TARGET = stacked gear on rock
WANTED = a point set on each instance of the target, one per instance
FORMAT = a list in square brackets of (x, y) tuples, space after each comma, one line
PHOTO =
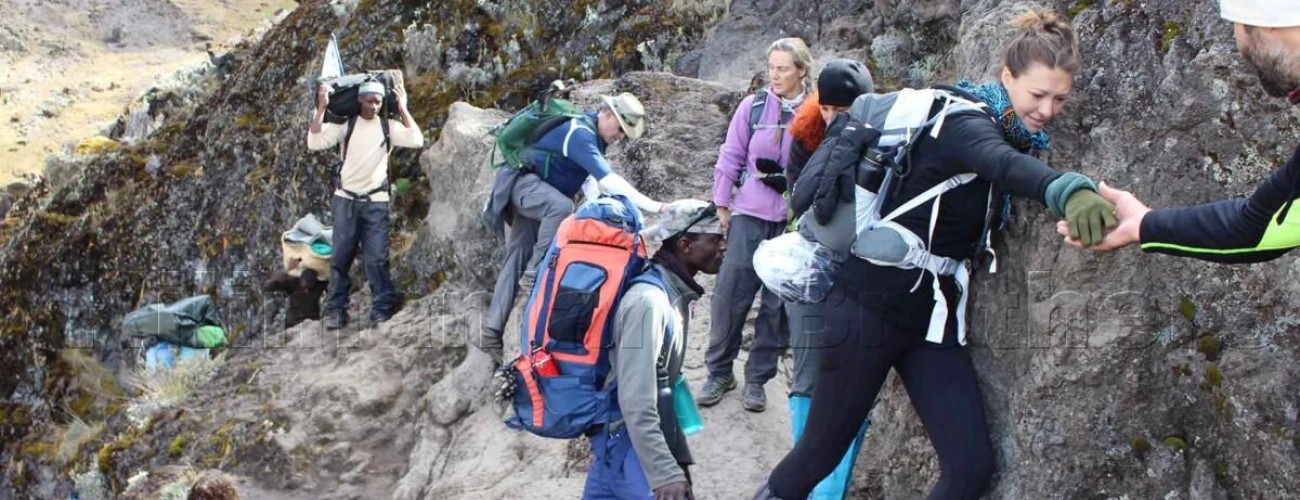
[(309, 241), (190, 322)]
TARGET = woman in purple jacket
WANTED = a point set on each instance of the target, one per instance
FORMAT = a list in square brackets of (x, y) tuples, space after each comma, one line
[(748, 187)]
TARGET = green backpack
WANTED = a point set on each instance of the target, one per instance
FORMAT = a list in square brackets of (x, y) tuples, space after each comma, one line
[(528, 125)]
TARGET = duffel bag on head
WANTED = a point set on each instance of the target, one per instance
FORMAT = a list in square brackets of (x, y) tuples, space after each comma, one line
[(345, 89)]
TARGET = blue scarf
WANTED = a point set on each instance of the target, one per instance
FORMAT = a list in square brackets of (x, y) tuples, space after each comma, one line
[(995, 95)]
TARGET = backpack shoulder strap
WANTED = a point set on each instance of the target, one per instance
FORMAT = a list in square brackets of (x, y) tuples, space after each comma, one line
[(652, 277), (756, 110), (347, 137), (383, 125)]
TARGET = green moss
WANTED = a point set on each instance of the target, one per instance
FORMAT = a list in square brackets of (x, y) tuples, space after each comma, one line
[(401, 187), (1172, 31), (1140, 446), (106, 459), (56, 219), (185, 168), (19, 416), (259, 178), (177, 447), (42, 451), (1176, 442), (1182, 370), (1209, 346), (82, 404), (253, 123), (1214, 376), (1079, 7), (221, 445), (1187, 308), (1221, 475)]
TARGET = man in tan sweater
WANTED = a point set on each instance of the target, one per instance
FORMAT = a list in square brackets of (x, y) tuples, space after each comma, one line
[(360, 204)]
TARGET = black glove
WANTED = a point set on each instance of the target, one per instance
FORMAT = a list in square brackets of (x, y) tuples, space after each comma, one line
[(771, 174), (839, 176), (776, 182)]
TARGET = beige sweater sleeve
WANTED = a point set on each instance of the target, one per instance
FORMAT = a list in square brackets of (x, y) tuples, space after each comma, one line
[(329, 136), (403, 136)]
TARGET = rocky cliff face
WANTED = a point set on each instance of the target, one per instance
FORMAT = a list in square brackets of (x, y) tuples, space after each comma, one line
[(1112, 376)]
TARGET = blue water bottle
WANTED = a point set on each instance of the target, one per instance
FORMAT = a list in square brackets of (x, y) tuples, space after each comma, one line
[(688, 415)]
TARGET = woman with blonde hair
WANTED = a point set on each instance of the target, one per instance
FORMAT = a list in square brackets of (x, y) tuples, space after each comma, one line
[(749, 185)]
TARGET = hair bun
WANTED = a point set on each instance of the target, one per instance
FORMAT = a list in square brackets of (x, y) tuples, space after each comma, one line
[(1038, 20)]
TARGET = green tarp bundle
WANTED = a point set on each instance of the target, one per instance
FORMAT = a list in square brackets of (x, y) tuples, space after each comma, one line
[(191, 322)]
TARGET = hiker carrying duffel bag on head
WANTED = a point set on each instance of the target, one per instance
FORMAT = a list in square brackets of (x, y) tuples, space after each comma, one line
[(360, 205)]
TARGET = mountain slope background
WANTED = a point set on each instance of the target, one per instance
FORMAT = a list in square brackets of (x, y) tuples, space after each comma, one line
[(1105, 376)]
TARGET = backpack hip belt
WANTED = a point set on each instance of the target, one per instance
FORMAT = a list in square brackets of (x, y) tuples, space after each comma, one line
[(365, 197)]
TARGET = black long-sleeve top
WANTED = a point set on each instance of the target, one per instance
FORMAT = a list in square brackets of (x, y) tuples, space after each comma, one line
[(968, 142), (1254, 229)]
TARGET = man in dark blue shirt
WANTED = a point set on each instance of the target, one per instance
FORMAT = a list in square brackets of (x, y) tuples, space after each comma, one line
[(566, 160)]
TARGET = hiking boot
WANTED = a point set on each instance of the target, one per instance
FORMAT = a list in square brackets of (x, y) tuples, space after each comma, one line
[(336, 320), (491, 344), (376, 319), (714, 388), (755, 398)]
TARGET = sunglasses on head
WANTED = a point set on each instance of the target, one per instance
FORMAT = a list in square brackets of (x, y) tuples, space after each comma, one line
[(708, 211)]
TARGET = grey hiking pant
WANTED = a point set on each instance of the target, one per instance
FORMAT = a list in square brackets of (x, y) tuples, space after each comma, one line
[(733, 294), (807, 340), (361, 225), (538, 211)]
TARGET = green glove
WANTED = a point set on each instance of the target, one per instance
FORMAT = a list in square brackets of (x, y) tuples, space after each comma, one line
[(1089, 216)]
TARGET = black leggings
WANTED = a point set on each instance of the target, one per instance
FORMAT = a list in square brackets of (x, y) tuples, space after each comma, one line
[(940, 381)]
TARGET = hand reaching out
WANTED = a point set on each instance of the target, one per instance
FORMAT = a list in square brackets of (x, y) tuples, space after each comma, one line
[(1128, 209)]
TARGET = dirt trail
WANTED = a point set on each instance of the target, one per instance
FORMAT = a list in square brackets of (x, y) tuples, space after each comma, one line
[(68, 67)]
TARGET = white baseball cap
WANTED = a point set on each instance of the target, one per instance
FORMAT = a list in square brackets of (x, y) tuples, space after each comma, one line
[(1261, 13)]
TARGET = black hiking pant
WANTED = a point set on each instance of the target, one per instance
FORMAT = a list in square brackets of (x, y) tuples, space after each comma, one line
[(939, 378), (361, 227)]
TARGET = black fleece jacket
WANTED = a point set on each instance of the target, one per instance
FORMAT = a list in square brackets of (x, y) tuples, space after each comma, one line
[(1259, 228), (968, 142)]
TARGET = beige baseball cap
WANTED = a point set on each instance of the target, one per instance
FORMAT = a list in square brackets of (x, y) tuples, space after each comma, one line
[(629, 112)]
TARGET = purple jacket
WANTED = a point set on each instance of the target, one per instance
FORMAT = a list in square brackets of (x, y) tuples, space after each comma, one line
[(753, 198)]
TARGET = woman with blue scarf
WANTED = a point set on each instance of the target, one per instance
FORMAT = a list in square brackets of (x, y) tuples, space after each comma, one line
[(881, 317)]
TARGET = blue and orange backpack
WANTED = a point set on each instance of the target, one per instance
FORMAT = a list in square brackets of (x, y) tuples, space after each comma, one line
[(565, 335)]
